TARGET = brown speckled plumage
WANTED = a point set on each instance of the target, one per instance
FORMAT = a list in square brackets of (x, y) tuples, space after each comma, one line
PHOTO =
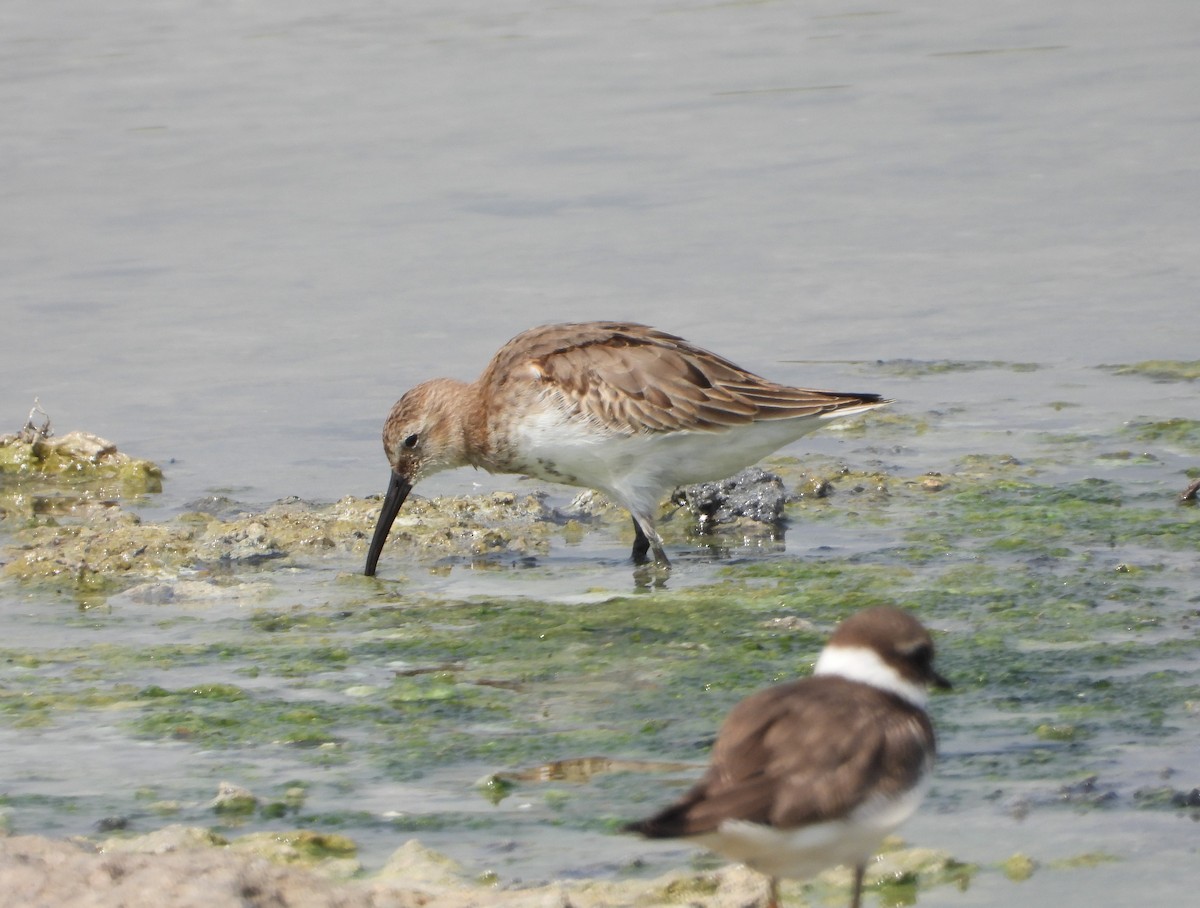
[(614, 406)]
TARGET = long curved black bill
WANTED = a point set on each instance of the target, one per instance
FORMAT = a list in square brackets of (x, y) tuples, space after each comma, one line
[(397, 491)]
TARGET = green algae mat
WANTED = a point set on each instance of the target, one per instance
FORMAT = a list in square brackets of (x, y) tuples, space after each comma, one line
[(511, 690)]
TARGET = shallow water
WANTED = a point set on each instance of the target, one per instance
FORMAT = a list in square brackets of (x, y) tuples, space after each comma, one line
[(1055, 565), (236, 234)]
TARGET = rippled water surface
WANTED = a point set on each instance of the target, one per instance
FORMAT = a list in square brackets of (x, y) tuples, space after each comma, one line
[(235, 233)]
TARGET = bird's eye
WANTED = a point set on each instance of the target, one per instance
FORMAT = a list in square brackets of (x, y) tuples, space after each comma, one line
[(411, 441), (921, 654)]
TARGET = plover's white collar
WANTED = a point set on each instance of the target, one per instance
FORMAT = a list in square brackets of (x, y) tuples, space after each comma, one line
[(863, 664), (817, 772)]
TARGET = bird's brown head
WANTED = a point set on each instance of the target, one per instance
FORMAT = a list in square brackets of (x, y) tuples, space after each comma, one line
[(883, 641), (421, 436)]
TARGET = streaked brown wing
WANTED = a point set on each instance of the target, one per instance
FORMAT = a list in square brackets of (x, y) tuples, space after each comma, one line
[(632, 378)]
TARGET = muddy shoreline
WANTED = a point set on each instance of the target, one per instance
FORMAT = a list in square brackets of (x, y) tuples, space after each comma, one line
[(232, 641), (180, 867)]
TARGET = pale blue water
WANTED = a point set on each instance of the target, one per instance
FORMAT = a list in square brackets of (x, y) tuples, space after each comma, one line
[(233, 234)]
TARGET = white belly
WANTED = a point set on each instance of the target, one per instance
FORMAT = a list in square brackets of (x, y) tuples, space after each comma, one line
[(638, 470), (806, 851)]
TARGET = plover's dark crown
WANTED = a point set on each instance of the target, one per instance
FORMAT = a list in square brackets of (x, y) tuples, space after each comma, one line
[(816, 772)]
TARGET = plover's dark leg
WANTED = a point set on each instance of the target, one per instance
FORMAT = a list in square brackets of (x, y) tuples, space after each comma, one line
[(856, 898)]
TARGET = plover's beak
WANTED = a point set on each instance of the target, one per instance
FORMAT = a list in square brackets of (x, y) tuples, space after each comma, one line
[(938, 680), (397, 491)]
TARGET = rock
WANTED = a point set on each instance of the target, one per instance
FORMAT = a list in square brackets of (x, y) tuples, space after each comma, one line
[(1019, 867), (40, 873), (246, 543), (233, 799), (1166, 796), (415, 865), (329, 854), (77, 457), (753, 494), (163, 841), (183, 867)]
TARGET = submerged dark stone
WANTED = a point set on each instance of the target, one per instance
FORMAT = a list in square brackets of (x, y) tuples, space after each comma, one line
[(1166, 796), (1088, 792)]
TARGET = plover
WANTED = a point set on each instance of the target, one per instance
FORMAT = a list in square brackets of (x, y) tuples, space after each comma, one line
[(815, 773)]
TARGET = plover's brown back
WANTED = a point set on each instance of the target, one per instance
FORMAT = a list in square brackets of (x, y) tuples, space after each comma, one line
[(816, 773)]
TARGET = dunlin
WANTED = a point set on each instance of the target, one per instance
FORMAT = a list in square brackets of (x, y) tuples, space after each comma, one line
[(816, 773), (621, 408)]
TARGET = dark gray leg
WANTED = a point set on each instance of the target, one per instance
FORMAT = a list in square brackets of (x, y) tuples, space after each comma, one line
[(856, 898), (641, 545), (644, 542)]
